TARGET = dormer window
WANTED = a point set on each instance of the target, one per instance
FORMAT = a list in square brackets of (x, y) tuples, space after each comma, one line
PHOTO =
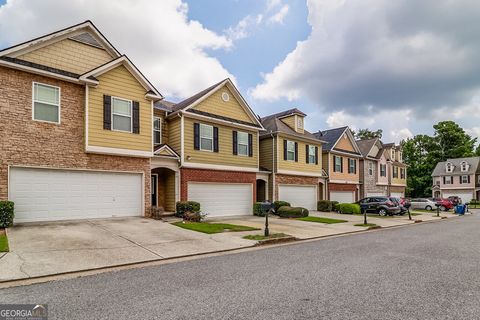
[(393, 154), (464, 166), (449, 167), (300, 123), (400, 156)]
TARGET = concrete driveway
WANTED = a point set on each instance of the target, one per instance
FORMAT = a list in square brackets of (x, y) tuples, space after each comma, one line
[(56, 247)]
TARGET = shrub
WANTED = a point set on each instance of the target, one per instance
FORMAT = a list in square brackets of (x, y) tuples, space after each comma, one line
[(289, 212), (6, 214), (278, 204), (184, 206), (326, 205), (349, 208), (192, 216), (257, 209), (334, 205)]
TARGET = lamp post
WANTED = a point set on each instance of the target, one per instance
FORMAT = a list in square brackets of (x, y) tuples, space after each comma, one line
[(267, 206), (438, 209)]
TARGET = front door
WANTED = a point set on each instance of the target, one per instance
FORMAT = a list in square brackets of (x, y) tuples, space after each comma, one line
[(154, 190)]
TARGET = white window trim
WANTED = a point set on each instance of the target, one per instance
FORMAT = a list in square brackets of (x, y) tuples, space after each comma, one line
[(310, 154), (157, 130), (300, 123), (464, 165), (335, 163), (370, 169), (59, 102), (200, 137), (291, 151), (392, 154), (449, 180), (352, 169), (466, 179), (238, 144), (449, 167), (121, 115)]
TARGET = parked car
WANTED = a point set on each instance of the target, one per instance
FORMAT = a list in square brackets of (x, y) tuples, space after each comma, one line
[(423, 204), (403, 205), (381, 205), (455, 200), (445, 204)]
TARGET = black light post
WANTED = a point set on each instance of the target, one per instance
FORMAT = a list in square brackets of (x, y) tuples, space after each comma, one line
[(438, 209), (267, 232), (267, 206), (364, 216)]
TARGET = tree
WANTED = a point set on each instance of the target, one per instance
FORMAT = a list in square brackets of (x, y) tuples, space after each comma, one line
[(364, 134), (453, 142)]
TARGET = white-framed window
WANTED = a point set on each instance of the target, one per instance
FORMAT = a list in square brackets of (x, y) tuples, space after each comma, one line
[(337, 162), (300, 123), (157, 130), (206, 137), (395, 172), (464, 179), (383, 170), (46, 103), (370, 168), (290, 150), (122, 114), (448, 180), (352, 166), (402, 173), (393, 154), (464, 166), (449, 167), (400, 156), (242, 143), (311, 154)]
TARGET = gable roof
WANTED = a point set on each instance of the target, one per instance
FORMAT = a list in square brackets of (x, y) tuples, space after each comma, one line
[(170, 153), (187, 104), (152, 92), (287, 113), (273, 124), (331, 136), (474, 163), (366, 146)]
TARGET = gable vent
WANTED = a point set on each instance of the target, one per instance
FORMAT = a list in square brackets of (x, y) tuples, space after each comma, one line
[(88, 39)]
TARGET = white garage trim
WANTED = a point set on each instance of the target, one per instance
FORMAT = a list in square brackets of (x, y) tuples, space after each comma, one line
[(219, 199), (139, 175), (342, 196), (299, 195)]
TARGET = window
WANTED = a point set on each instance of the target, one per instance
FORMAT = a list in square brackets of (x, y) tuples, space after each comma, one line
[(448, 180), (206, 137), (370, 168), (449, 167), (157, 130), (393, 154), (352, 166), (395, 172), (383, 170), (121, 114), (311, 154), (337, 164), (300, 123), (464, 179), (46, 103), (437, 182), (290, 150), (464, 166), (400, 156), (242, 143), (402, 173)]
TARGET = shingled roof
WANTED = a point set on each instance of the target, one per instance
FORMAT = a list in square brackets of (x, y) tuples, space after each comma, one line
[(366, 145), (440, 169), (330, 136)]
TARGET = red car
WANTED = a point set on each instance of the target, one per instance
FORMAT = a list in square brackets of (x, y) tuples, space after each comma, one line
[(445, 204)]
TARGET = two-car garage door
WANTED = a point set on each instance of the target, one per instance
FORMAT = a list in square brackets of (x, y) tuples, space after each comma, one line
[(50, 194)]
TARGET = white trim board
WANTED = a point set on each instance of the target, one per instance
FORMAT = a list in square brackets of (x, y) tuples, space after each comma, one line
[(121, 152), (217, 167)]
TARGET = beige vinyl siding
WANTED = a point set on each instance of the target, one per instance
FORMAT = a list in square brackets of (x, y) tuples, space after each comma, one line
[(231, 109), (344, 176), (266, 153), (325, 162), (344, 143), (404, 181), (301, 165), (170, 193), (174, 135), (289, 121), (225, 155), (120, 83), (161, 114), (68, 55)]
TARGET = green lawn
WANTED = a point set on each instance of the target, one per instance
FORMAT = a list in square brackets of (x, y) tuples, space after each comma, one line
[(3, 243), (369, 225), (321, 220), (210, 228), (373, 215), (428, 211), (262, 237)]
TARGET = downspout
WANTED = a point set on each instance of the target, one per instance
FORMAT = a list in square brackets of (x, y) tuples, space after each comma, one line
[(273, 165)]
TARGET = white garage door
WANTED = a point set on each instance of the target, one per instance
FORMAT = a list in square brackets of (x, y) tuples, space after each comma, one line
[(342, 196), (397, 194), (465, 196), (375, 194), (299, 196), (48, 194), (222, 199)]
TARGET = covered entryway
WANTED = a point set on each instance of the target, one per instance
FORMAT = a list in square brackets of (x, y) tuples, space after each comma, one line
[(261, 190), (57, 194), (342, 196), (466, 196), (163, 189), (222, 199), (299, 195)]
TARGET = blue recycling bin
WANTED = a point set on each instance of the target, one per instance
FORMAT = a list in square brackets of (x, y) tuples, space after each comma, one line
[(460, 209)]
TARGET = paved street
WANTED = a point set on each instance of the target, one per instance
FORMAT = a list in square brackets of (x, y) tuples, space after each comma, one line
[(425, 271)]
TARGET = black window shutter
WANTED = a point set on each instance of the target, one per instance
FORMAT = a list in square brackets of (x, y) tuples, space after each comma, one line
[(284, 149), (349, 170), (444, 179), (235, 142), (215, 139), (296, 152), (136, 117), (341, 164), (460, 179), (306, 153), (107, 112), (354, 166), (250, 145), (196, 136), (468, 179), (316, 155)]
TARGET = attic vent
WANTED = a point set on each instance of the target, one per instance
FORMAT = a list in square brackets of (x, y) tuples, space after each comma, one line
[(86, 38), (225, 97)]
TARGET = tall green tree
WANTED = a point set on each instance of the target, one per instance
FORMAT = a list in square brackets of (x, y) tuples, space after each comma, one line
[(364, 134), (453, 141)]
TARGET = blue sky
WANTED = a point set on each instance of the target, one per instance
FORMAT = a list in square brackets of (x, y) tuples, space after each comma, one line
[(400, 66)]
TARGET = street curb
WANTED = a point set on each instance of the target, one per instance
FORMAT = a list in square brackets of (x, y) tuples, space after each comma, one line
[(146, 263)]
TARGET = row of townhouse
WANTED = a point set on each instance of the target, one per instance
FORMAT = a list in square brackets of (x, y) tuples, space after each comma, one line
[(458, 177), (85, 135)]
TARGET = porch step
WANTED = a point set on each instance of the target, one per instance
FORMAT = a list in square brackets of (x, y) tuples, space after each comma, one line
[(159, 212)]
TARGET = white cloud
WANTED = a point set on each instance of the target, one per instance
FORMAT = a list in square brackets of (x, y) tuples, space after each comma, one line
[(280, 15), (158, 36), (401, 134), (271, 4), (243, 27)]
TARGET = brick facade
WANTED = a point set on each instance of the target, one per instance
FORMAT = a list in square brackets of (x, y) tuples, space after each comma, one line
[(295, 180), (25, 142), (369, 182), (203, 175)]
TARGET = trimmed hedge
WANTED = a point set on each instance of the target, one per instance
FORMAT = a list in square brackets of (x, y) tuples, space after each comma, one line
[(6, 214), (257, 209), (186, 206), (334, 205), (326, 205), (278, 204), (349, 208), (289, 212)]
